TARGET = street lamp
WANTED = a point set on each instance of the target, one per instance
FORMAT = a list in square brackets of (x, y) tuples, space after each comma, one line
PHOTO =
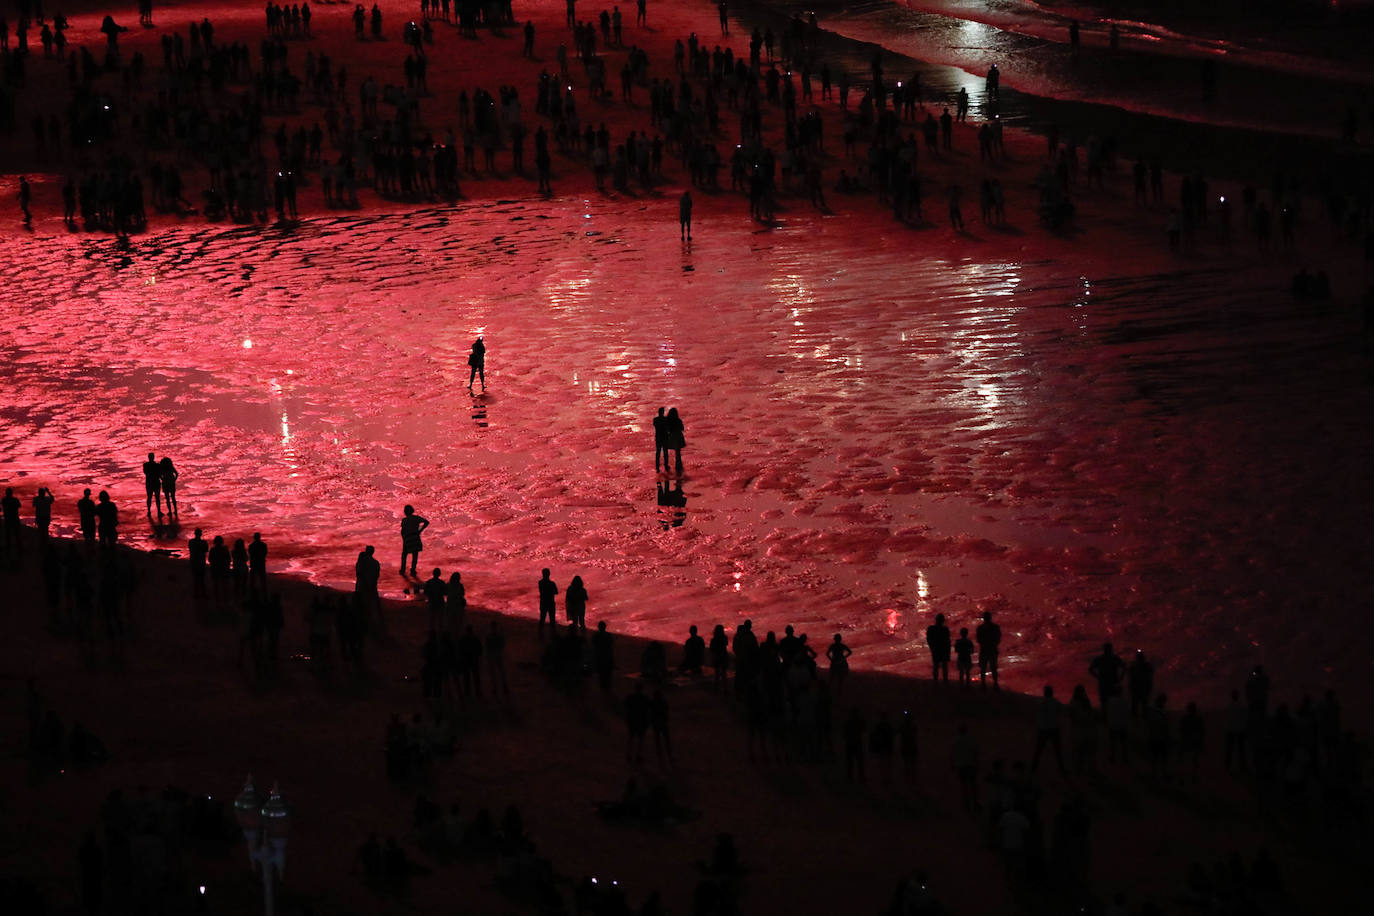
[(265, 828)]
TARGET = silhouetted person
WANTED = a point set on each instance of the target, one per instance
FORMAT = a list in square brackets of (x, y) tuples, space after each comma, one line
[(906, 743), (575, 601), (684, 216), (12, 525), (197, 551), (603, 655), (257, 564), (494, 648), (1140, 678), (963, 654), (42, 512), (152, 484), (411, 545), (964, 759), (882, 743), (25, 195), (1048, 729), (477, 364), (1237, 730), (85, 511), (638, 717), (659, 724), (937, 638), (1107, 669), (367, 574), (167, 480), (838, 654), (989, 636), (435, 590), (548, 608), (220, 563), (675, 439), (854, 730), (693, 653), (660, 439), (107, 519)]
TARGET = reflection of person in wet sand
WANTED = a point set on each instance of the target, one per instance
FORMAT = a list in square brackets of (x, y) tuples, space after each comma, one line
[(411, 526), (477, 362)]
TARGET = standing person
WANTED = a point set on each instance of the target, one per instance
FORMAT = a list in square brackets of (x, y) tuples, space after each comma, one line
[(603, 656), (676, 439), (152, 484), (85, 511), (411, 545), (660, 438), (167, 478), (477, 363), (575, 600), (989, 637), (42, 512), (838, 653), (24, 196), (107, 518), (10, 506), (548, 592), (1047, 729), (937, 638), (720, 657), (963, 651), (219, 568), (257, 564), (684, 216), (457, 602), (367, 573), (964, 757), (197, 551), (436, 590), (496, 660), (1107, 669)]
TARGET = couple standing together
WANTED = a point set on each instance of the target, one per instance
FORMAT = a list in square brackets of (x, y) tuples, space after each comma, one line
[(668, 437)]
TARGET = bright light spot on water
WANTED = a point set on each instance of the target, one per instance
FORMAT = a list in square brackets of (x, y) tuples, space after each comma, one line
[(894, 620), (290, 371), (247, 344), (922, 586)]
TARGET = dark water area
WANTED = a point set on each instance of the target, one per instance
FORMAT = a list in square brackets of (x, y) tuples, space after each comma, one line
[(1269, 110)]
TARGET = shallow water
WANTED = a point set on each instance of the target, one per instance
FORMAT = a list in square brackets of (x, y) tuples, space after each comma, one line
[(874, 434)]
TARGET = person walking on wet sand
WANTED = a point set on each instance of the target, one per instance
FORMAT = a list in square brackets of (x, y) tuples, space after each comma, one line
[(684, 215), (477, 364), (675, 439), (152, 484), (548, 607), (411, 526)]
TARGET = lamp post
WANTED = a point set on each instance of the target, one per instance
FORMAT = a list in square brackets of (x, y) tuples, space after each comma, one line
[(265, 828)]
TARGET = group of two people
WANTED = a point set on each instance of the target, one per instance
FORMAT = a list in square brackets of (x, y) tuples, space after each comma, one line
[(159, 481)]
